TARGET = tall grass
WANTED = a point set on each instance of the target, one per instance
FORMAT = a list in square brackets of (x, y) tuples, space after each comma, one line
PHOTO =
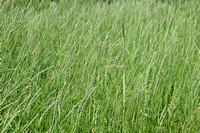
[(96, 67)]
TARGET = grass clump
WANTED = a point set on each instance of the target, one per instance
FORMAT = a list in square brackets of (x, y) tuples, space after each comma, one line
[(96, 67)]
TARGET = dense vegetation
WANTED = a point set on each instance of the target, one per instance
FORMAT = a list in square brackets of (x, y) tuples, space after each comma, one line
[(97, 66)]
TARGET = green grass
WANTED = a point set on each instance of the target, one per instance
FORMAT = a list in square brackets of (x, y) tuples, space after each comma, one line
[(95, 67)]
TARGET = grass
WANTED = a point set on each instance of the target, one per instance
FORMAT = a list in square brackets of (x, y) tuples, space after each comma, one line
[(95, 67)]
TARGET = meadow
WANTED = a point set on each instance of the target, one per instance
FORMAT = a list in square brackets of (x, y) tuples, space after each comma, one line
[(97, 66)]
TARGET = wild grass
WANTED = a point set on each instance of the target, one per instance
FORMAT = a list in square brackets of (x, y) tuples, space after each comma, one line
[(96, 67)]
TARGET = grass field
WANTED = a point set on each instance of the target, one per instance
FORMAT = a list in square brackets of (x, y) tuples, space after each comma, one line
[(90, 66)]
